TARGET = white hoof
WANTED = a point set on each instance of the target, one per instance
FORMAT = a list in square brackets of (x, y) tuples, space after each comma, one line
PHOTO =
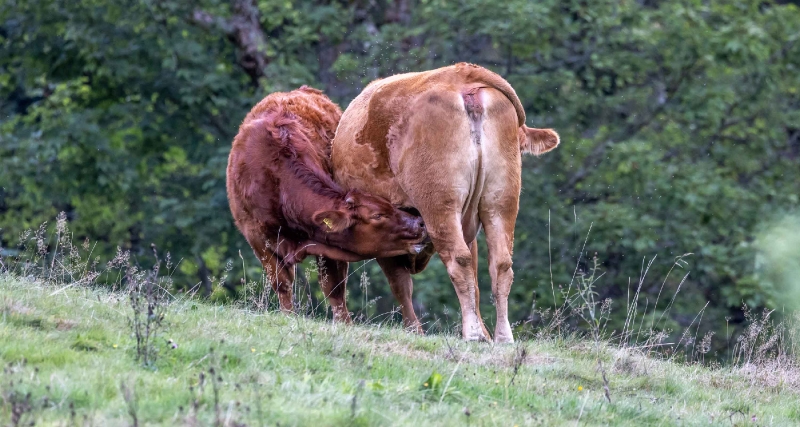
[(503, 339), (475, 333), (503, 334)]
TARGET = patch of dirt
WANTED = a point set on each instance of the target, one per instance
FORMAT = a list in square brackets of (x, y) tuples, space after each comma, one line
[(15, 308), (508, 356), (779, 373), (27, 316), (630, 365), (393, 348), (65, 324)]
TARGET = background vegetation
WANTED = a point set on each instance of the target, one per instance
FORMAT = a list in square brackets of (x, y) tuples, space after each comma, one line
[(680, 123)]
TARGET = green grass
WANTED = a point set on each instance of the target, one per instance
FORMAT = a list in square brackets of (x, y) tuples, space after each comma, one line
[(73, 349)]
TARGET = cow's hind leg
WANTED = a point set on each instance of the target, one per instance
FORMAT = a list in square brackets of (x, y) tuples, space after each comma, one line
[(473, 248), (457, 258), (333, 281), (397, 273), (439, 174), (499, 202), (500, 239)]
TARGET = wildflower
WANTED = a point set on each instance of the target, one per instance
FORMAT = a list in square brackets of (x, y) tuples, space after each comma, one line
[(425, 385), (61, 222), (580, 388), (252, 350), (115, 346)]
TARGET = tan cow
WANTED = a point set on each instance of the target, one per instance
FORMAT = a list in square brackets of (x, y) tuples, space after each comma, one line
[(447, 142)]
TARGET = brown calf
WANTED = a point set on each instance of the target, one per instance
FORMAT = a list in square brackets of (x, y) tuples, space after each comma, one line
[(287, 206), (447, 142)]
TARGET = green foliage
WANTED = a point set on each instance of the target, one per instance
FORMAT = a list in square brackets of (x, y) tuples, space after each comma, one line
[(777, 263), (433, 383), (115, 114), (679, 122)]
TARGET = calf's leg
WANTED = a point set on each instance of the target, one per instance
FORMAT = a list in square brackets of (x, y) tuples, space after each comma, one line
[(333, 280), (282, 280), (399, 277), (280, 275)]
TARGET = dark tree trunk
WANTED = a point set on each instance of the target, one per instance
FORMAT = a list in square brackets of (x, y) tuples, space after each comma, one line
[(245, 31), (204, 275)]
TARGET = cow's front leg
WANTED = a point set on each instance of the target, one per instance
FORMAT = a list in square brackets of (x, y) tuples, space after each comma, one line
[(333, 280), (397, 273), (280, 272)]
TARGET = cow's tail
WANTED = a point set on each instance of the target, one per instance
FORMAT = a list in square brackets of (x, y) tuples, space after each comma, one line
[(531, 140), (477, 74)]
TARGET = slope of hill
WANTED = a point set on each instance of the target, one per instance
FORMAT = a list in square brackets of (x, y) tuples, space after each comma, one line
[(69, 357)]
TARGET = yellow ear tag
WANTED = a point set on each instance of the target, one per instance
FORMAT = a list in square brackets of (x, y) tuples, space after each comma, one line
[(328, 222)]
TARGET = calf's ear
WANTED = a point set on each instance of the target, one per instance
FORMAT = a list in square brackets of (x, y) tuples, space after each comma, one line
[(537, 141), (332, 221)]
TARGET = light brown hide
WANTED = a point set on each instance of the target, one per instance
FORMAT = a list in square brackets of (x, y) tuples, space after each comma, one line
[(447, 142)]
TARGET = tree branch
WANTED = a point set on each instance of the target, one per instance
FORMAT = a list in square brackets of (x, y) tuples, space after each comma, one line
[(244, 30), (627, 132)]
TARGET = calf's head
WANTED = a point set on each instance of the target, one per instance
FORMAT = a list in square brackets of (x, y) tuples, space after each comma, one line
[(371, 226)]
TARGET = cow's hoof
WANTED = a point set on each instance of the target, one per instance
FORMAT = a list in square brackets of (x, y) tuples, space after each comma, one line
[(480, 337), (503, 339), (415, 329), (502, 333)]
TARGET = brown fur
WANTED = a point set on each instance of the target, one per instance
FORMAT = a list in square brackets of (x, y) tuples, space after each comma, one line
[(447, 142), (286, 204)]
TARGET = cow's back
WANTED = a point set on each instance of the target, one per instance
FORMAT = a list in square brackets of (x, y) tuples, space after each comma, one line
[(366, 152), (256, 164), (317, 114), (361, 160), (413, 131)]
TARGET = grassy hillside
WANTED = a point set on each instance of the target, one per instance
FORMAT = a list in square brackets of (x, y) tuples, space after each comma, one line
[(73, 350)]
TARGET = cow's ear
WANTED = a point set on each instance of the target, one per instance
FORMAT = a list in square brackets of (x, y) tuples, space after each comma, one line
[(332, 221), (537, 141)]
